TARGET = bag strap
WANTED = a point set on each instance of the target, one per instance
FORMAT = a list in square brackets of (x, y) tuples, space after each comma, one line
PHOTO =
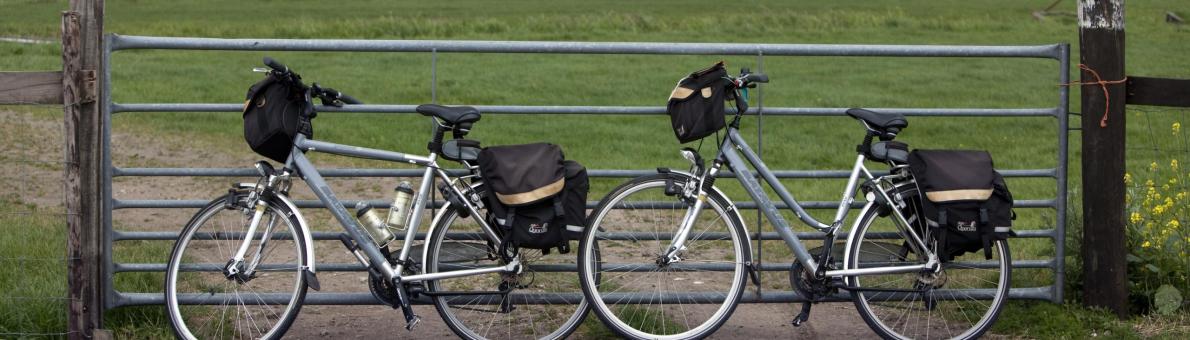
[(508, 217)]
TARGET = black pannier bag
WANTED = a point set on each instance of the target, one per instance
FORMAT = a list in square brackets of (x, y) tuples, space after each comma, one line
[(274, 113), (967, 205), (695, 106), (538, 198)]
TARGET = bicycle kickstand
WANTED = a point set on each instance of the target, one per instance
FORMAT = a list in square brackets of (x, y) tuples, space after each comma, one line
[(803, 316), (411, 320)]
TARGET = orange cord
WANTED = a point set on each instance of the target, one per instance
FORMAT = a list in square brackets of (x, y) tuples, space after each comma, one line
[(1102, 84)]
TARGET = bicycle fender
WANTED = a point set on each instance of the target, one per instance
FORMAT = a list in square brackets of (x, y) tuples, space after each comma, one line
[(851, 235), (307, 237), (425, 250)]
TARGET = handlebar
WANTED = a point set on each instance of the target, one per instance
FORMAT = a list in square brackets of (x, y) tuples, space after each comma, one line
[(328, 95), (349, 99), (276, 66), (331, 95), (742, 83), (757, 78)]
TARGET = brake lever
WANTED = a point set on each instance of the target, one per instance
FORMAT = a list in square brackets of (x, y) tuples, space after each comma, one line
[(260, 70)]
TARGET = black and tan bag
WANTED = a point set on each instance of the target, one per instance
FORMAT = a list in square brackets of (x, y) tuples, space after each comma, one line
[(695, 106), (967, 205), (537, 197), (274, 113)]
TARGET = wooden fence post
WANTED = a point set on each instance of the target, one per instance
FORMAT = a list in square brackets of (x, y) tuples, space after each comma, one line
[(1101, 38), (82, 41)]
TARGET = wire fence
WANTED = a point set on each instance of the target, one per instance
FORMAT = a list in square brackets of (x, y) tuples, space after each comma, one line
[(33, 259), (1158, 203)]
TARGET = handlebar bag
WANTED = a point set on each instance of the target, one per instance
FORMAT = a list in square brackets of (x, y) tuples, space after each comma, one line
[(273, 115), (695, 106), (967, 204)]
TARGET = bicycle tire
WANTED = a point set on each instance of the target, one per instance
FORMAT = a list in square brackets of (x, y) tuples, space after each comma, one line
[(453, 245), (183, 317), (959, 279), (628, 318)]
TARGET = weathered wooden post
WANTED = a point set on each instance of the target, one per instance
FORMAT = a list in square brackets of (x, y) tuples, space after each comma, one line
[(82, 41), (1101, 39)]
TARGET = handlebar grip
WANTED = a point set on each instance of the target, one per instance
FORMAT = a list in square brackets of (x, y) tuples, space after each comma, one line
[(346, 99), (276, 66), (758, 78)]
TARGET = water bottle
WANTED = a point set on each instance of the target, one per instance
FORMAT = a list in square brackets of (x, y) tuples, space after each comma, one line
[(398, 213), (373, 224)]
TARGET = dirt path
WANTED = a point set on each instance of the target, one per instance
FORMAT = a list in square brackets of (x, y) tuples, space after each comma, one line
[(32, 174)]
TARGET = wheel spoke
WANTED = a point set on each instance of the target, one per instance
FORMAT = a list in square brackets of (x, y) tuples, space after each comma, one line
[(662, 300), (246, 313), (945, 309)]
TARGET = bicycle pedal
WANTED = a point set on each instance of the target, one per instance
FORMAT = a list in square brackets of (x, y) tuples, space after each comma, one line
[(412, 322)]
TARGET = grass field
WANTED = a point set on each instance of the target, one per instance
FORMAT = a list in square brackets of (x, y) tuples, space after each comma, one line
[(1154, 49)]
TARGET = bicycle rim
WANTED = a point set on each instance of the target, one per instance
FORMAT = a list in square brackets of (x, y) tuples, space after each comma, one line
[(203, 303), (458, 244), (961, 302), (638, 298)]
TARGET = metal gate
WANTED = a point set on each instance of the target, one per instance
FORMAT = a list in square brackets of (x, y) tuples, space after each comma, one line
[(114, 43)]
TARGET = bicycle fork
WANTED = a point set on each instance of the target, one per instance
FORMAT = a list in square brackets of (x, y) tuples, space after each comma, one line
[(695, 194)]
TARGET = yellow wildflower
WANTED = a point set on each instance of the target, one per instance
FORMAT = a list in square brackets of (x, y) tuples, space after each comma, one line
[(1173, 164), (1158, 210), (1149, 183), (1146, 244), (1181, 195), (1153, 166), (1177, 127), (1127, 178), (1174, 224), (1135, 217)]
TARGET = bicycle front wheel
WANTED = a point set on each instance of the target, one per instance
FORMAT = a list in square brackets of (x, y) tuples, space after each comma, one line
[(640, 297), (541, 302), (204, 303), (960, 302)]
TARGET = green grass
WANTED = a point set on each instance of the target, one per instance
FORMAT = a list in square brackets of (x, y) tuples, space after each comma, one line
[(34, 278), (1044, 320), (637, 142)]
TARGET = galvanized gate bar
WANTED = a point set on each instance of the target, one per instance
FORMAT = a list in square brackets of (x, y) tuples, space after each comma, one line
[(250, 172), (320, 298), (328, 236), (609, 110), (144, 204), (131, 42), (1059, 52)]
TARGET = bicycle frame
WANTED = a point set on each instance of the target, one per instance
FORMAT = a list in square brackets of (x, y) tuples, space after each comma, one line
[(728, 154), (298, 161)]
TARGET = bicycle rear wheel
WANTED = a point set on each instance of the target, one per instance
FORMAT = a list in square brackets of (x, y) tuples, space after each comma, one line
[(639, 298), (203, 303), (960, 302), (544, 301)]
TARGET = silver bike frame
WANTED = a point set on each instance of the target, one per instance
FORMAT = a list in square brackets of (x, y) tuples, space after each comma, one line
[(298, 161), (731, 149)]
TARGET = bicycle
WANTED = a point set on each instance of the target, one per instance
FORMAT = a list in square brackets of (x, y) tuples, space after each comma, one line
[(646, 279), (242, 265)]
